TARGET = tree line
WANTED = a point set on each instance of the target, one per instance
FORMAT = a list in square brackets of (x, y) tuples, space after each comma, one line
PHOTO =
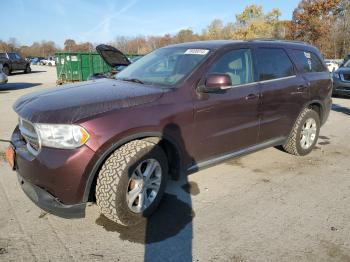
[(323, 23)]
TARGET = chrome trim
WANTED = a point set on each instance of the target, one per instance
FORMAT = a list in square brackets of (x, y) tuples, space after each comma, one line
[(31, 138), (277, 79), (251, 149), (246, 84)]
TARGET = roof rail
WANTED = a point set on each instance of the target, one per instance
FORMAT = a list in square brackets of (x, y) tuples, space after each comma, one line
[(278, 40)]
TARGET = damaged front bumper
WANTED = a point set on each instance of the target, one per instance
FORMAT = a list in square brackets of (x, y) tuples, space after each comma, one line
[(49, 203), (54, 179)]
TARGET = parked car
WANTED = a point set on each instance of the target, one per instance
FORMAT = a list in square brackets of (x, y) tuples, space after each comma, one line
[(50, 61), (3, 76), (36, 60), (332, 66), (341, 80), (177, 110), (14, 62)]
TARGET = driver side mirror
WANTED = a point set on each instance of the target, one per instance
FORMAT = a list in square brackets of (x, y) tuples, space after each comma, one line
[(216, 83)]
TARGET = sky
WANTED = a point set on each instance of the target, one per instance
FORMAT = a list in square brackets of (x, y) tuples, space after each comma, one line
[(100, 21)]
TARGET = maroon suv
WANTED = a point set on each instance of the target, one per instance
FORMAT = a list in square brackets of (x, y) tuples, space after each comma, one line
[(177, 110)]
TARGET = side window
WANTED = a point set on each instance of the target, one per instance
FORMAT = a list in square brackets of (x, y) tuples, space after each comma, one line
[(12, 56), (307, 61), (237, 64), (273, 63), (3, 55), (18, 56)]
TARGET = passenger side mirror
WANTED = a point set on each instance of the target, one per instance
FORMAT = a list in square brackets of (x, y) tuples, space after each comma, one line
[(216, 83)]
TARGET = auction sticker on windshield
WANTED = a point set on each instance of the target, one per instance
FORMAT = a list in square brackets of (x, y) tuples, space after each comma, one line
[(196, 52)]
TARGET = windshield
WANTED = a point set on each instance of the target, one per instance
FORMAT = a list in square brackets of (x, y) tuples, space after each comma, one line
[(166, 66)]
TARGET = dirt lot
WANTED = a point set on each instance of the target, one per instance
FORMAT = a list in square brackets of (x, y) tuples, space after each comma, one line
[(268, 206)]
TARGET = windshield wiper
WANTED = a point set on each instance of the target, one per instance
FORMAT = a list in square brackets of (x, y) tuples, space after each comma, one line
[(134, 80)]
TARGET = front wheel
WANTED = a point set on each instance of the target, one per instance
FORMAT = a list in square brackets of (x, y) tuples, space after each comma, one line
[(304, 135), (131, 182)]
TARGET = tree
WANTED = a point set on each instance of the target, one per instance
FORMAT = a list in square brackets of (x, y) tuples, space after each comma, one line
[(213, 30), (69, 45), (185, 35), (254, 23), (313, 21)]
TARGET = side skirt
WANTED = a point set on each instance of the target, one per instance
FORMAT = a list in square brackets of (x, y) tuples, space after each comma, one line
[(214, 161)]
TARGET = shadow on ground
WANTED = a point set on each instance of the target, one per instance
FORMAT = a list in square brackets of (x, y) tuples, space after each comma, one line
[(158, 226), (17, 86), (341, 109)]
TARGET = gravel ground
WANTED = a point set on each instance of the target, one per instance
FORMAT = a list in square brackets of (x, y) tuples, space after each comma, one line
[(267, 206)]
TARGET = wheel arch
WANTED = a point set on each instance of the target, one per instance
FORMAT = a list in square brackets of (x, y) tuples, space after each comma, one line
[(318, 107), (169, 146)]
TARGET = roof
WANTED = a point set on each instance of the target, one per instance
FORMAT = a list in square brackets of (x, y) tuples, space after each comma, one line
[(216, 44)]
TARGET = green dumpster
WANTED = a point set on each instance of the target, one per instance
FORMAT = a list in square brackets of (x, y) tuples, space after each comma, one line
[(78, 66)]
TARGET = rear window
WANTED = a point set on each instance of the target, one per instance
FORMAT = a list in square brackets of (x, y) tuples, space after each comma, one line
[(308, 62), (273, 63)]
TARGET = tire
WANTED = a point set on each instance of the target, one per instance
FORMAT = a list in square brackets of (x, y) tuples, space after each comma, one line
[(49, 64), (28, 69), (296, 144), (115, 179), (6, 70)]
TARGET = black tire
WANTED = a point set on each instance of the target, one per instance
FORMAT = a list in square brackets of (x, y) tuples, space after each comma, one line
[(114, 176), (49, 64), (6, 70), (28, 69), (293, 145)]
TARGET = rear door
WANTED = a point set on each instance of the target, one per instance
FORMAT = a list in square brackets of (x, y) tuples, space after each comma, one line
[(314, 72), (227, 122), (21, 62), (284, 92), (14, 61)]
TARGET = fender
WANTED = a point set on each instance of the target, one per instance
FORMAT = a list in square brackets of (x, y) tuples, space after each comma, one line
[(322, 108), (96, 166)]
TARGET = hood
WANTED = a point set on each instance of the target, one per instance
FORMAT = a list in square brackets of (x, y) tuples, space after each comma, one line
[(112, 56), (74, 102), (342, 70)]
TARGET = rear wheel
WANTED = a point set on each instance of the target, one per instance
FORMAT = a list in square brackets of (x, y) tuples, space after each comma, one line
[(131, 182), (28, 69), (304, 135), (6, 70)]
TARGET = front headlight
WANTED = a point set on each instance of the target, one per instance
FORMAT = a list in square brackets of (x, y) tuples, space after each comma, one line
[(336, 75), (62, 136)]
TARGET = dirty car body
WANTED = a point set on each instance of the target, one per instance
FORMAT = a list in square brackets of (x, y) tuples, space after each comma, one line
[(196, 120)]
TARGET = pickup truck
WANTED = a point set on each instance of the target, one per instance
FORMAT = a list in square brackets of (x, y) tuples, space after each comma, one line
[(14, 62)]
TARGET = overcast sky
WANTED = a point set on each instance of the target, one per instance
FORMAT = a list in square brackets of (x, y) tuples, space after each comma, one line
[(100, 21)]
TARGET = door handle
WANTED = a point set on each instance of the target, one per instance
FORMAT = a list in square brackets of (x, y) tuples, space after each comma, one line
[(302, 87), (251, 96)]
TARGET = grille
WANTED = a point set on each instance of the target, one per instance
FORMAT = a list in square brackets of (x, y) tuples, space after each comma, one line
[(346, 77), (30, 136)]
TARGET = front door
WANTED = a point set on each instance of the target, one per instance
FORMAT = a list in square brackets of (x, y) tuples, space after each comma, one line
[(228, 121)]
